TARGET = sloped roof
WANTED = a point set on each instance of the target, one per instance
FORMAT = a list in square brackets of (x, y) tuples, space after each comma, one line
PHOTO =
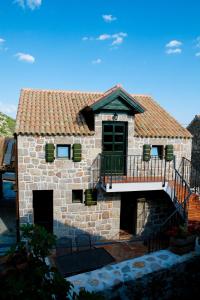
[(54, 112)]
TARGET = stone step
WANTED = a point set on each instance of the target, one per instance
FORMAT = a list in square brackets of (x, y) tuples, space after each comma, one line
[(194, 208)]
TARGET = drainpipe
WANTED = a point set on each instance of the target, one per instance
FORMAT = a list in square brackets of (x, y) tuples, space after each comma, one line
[(17, 193)]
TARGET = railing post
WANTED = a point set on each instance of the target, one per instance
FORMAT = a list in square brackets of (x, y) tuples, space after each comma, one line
[(164, 179), (111, 167), (183, 167)]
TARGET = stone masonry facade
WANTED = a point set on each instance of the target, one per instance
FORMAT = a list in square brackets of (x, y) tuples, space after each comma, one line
[(153, 208), (62, 176), (194, 129)]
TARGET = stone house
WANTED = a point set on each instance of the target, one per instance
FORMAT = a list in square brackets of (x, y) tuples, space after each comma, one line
[(194, 129), (96, 162)]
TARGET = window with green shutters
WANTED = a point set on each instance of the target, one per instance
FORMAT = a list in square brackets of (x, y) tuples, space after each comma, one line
[(49, 152), (169, 152), (77, 152), (146, 152), (90, 197)]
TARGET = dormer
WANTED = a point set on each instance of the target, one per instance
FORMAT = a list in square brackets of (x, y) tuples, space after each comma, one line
[(116, 100)]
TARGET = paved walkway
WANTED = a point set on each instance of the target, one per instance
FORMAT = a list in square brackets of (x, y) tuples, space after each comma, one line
[(125, 250)]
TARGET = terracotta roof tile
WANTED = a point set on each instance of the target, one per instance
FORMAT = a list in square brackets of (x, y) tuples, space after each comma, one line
[(53, 112)]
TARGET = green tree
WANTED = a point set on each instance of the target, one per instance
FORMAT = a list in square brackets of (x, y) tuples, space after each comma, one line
[(28, 276)]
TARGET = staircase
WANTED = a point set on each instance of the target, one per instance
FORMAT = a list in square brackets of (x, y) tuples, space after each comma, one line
[(192, 176), (185, 194), (194, 209)]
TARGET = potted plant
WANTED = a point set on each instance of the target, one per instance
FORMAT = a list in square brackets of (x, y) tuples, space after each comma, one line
[(182, 239)]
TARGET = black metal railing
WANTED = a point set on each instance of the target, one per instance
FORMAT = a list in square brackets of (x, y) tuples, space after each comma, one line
[(191, 174), (160, 238), (180, 195), (109, 169)]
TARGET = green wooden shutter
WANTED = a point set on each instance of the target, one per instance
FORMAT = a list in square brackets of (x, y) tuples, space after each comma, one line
[(169, 152), (49, 152), (77, 152), (146, 152), (90, 197)]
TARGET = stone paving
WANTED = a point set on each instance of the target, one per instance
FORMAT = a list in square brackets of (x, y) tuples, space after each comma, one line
[(111, 275), (121, 251)]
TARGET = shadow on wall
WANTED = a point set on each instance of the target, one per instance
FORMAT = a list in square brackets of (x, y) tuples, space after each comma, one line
[(153, 208)]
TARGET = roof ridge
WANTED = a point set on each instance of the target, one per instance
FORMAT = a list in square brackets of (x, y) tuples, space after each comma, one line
[(61, 91), (79, 92)]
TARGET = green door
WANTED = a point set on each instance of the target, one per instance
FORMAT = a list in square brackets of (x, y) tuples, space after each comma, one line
[(114, 139)]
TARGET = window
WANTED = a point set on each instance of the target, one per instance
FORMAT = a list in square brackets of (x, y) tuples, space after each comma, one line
[(63, 151), (157, 151), (77, 196)]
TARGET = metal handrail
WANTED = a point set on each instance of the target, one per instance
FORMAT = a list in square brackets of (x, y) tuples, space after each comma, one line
[(181, 194), (132, 168), (191, 174)]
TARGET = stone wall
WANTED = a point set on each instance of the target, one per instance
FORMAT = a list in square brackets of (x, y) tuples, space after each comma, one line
[(63, 175), (194, 129), (181, 282), (182, 147), (160, 275), (153, 208)]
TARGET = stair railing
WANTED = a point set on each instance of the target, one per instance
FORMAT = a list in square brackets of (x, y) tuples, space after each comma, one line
[(180, 196), (191, 174)]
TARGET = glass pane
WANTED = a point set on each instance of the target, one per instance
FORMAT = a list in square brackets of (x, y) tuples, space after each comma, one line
[(107, 147), (154, 151), (108, 128), (119, 147), (119, 128), (108, 138), (119, 138), (77, 196), (63, 151)]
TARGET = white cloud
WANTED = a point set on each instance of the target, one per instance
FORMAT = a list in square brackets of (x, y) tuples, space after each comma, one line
[(174, 51), (32, 4), (117, 38), (85, 38), (97, 61), (25, 57), (174, 44), (123, 34), (2, 41), (197, 54), (104, 37), (9, 109), (109, 18)]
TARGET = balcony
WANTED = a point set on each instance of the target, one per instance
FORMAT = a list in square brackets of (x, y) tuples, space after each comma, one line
[(131, 173)]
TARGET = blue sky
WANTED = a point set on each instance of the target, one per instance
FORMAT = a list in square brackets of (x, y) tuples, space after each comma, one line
[(148, 46)]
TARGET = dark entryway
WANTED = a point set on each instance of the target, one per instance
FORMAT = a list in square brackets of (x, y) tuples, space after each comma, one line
[(128, 214), (114, 144), (43, 209)]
